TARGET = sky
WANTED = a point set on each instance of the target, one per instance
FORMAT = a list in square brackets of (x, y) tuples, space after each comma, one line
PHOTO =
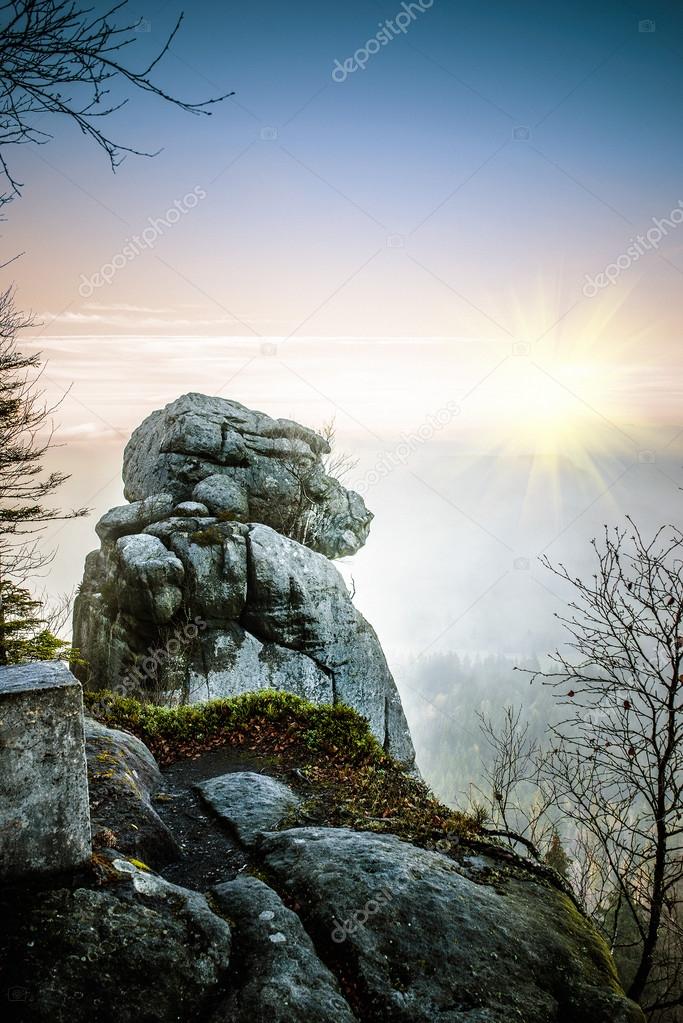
[(462, 214)]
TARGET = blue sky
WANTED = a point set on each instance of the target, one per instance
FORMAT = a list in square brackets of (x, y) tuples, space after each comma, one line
[(372, 249)]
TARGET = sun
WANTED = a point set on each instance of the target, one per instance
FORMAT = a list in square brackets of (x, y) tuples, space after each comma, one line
[(566, 402)]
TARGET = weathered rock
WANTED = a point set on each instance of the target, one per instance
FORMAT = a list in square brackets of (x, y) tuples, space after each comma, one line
[(281, 979), (123, 777), (150, 578), (258, 611), (138, 949), (298, 599), (249, 803), (424, 943), (192, 606), (214, 560), (44, 816), (223, 496), (230, 661), (273, 468), (132, 518), (192, 508)]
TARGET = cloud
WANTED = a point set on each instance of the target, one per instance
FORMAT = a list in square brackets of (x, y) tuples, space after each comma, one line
[(87, 431), (125, 307), (137, 321)]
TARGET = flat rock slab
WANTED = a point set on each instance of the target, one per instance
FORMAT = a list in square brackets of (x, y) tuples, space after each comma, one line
[(282, 978), (420, 942), (250, 803)]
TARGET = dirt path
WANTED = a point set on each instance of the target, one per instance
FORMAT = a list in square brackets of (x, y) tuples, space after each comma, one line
[(210, 853)]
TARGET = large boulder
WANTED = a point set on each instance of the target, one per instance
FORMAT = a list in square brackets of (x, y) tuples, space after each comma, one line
[(216, 580), (427, 939), (138, 948), (256, 611), (247, 466)]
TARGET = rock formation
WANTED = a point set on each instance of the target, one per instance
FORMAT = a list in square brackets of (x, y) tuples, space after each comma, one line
[(215, 579)]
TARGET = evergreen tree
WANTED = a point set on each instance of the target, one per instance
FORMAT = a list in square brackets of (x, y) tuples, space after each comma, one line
[(25, 436), (556, 857), (24, 631)]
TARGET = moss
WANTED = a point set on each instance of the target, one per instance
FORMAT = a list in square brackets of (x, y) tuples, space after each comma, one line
[(208, 537), (106, 757), (138, 863), (328, 752), (591, 941)]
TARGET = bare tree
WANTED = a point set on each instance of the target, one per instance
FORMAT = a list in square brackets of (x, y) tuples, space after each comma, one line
[(302, 516), (514, 799), (616, 758), (63, 58)]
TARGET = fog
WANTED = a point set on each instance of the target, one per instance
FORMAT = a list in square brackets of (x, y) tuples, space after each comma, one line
[(464, 507)]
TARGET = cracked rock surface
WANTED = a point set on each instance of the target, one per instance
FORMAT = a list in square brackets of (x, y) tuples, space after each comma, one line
[(244, 463), (280, 979)]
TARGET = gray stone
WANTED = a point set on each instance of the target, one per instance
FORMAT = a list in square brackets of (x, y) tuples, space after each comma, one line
[(132, 518), (282, 980), (249, 803), (214, 560), (45, 821), (271, 611), (123, 778), (428, 943), (275, 614), (195, 508), (223, 496), (297, 599), (274, 467), (136, 949), (151, 578), (230, 661)]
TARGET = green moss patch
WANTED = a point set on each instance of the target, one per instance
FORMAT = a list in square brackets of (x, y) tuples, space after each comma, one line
[(327, 752)]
